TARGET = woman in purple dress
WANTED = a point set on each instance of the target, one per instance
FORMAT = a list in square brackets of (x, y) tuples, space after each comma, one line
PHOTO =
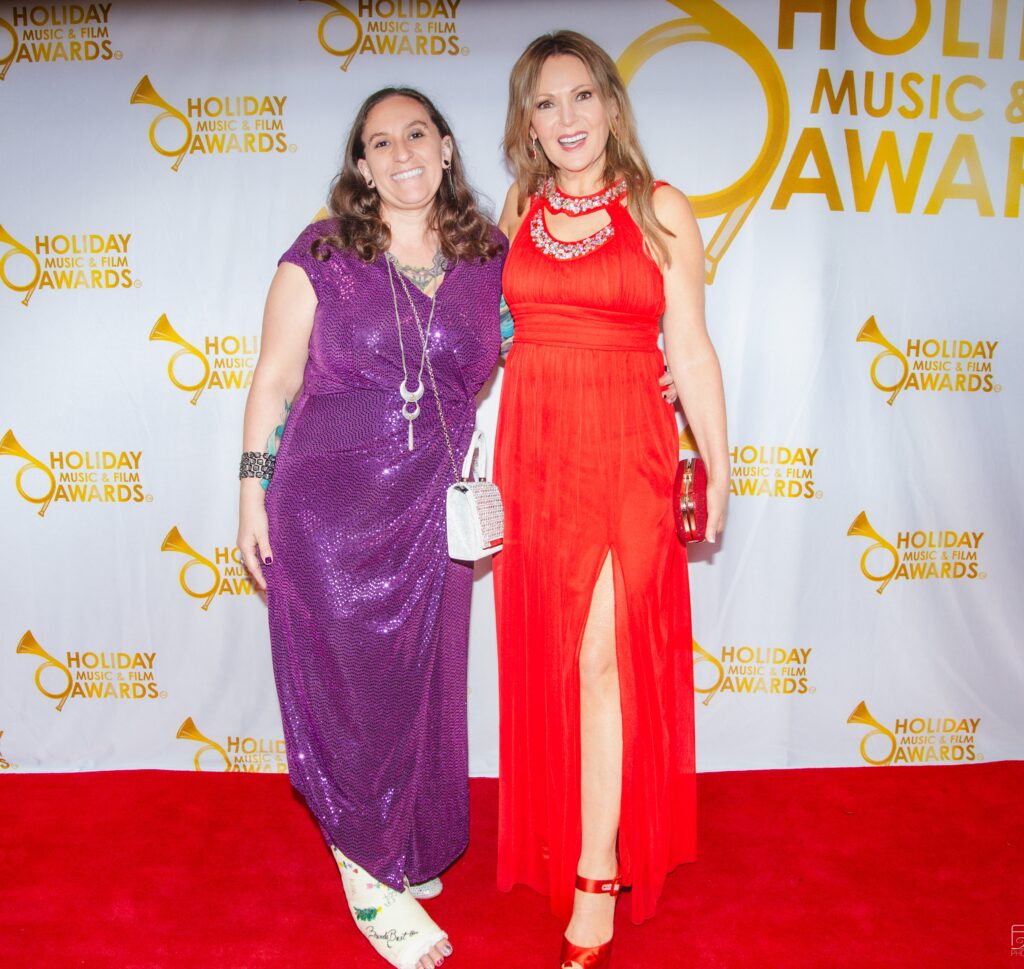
[(368, 314)]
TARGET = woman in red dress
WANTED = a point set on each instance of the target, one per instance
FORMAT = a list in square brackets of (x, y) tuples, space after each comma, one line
[(597, 783)]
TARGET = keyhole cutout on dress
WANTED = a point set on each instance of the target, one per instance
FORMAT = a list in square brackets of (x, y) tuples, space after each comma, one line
[(575, 228)]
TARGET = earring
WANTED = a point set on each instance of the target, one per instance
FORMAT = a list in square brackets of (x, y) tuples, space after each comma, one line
[(532, 150), (370, 183), (446, 164)]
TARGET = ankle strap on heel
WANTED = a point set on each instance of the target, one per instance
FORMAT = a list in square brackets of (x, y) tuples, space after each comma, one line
[(600, 886)]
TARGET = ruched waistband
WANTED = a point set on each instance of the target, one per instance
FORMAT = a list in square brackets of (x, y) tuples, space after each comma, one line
[(580, 326)]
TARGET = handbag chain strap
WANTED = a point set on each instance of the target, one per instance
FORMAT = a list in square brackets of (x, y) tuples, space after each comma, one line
[(430, 371)]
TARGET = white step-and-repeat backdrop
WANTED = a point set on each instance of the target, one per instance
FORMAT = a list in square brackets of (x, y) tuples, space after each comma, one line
[(858, 171)]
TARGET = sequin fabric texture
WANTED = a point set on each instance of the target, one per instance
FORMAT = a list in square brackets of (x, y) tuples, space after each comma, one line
[(369, 618)]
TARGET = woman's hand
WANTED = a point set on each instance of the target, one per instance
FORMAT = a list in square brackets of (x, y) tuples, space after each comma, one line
[(718, 499), (668, 384), (253, 531)]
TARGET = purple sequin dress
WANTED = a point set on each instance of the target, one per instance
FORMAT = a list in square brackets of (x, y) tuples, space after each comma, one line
[(369, 618)]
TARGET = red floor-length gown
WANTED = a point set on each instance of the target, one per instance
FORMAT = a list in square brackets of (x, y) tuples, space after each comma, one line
[(586, 457)]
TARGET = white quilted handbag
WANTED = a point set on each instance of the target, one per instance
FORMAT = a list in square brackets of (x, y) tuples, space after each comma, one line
[(476, 519)]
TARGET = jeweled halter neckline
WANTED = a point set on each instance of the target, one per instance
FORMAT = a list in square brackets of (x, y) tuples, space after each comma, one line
[(555, 200), (558, 201)]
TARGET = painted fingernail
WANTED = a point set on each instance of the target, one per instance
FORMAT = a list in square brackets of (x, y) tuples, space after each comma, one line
[(268, 561), (446, 948)]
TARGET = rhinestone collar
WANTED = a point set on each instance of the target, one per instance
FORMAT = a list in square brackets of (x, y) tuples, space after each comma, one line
[(557, 201), (551, 246)]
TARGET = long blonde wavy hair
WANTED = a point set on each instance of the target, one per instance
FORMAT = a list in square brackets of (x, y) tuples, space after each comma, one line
[(623, 156)]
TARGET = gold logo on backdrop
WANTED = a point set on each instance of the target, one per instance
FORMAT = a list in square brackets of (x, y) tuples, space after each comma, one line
[(861, 715), (189, 731), (5, 764), (386, 27), (701, 655), (862, 528), (338, 12), (708, 22), (8, 59), (756, 670), (173, 542), (870, 333), (936, 554), (57, 34), (69, 260), (772, 470), (243, 124), (95, 675), (933, 364), (15, 248), (233, 360), (920, 739), (145, 93), (228, 575), (9, 446), (163, 330), (82, 477), (255, 755), (29, 646)]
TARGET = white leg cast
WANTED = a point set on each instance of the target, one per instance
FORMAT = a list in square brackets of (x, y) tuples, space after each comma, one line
[(395, 924)]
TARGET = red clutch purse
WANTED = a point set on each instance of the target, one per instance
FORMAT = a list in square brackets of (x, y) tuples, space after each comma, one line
[(691, 500)]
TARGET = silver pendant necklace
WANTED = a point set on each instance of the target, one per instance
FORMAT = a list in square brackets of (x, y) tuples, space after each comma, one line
[(410, 398)]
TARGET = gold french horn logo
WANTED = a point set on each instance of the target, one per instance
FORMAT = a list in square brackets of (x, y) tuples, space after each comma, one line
[(870, 333), (861, 715), (701, 655), (163, 330), (708, 22), (28, 645), (189, 731), (338, 9), (8, 59), (862, 528), (9, 446), (15, 248), (145, 93), (173, 542), (687, 442)]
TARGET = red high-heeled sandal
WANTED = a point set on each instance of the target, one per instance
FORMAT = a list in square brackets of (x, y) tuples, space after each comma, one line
[(594, 956)]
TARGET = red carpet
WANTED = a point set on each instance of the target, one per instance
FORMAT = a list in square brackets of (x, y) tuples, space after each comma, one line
[(863, 868)]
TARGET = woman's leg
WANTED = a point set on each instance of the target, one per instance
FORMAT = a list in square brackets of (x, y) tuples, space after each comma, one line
[(600, 763)]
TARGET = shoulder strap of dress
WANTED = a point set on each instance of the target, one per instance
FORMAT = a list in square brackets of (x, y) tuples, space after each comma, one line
[(657, 184)]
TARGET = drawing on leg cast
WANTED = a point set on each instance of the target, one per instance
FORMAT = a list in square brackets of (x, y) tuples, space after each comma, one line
[(393, 922)]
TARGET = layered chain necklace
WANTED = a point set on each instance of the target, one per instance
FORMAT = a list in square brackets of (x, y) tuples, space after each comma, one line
[(411, 397)]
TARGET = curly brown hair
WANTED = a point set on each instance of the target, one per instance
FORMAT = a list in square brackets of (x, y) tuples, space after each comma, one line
[(463, 230)]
